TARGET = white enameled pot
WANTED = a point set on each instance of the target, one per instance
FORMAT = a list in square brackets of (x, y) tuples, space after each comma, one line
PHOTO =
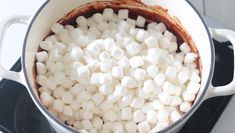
[(52, 10)]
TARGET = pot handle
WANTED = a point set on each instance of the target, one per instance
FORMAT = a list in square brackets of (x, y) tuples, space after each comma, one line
[(228, 89), (4, 24)]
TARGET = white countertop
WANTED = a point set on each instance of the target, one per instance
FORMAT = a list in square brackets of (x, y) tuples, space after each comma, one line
[(14, 40)]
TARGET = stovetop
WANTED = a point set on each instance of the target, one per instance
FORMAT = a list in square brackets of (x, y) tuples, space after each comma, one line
[(18, 114)]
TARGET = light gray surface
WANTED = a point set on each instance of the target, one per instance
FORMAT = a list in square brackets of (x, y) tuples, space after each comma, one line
[(199, 5), (223, 11), (13, 44)]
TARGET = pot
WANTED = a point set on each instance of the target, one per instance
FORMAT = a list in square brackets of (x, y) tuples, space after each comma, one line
[(53, 10)]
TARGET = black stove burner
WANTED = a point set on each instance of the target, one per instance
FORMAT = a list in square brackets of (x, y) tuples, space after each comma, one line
[(18, 114)]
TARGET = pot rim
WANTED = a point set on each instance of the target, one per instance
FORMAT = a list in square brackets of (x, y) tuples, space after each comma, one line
[(173, 125)]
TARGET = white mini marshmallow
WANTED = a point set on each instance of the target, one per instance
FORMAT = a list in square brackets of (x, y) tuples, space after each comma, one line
[(151, 42), (117, 72), (106, 78), (171, 72), (76, 53), (133, 48), (138, 116), (187, 96), (76, 105), (133, 32), (160, 27), (87, 115), (190, 58), (84, 96), (137, 102), (128, 82), (141, 35), (104, 56), (169, 88), (149, 86), (54, 55), (41, 80), (151, 25), (136, 61), (160, 126), (163, 115), (157, 104), (139, 74), (195, 77), (110, 116), (106, 105), (109, 44), (120, 90), (185, 106), (176, 101), (108, 13), (46, 45), (58, 92), (126, 101), (98, 98), (193, 87), (126, 113), (123, 14), (88, 105), (81, 21), (67, 98), (68, 111), (93, 48), (102, 26), (114, 97), (105, 89), (165, 98), (57, 28), (169, 35), (159, 79), (143, 127), (153, 55), (46, 99), (123, 26), (93, 130), (95, 79), (117, 53), (131, 127), (175, 115), (97, 123), (97, 17), (185, 48), (83, 74), (117, 127), (83, 40), (130, 21), (152, 71), (52, 39), (41, 56), (86, 124), (124, 62), (152, 116), (183, 77), (65, 37), (93, 65), (44, 89), (41, 68), (140, 22)]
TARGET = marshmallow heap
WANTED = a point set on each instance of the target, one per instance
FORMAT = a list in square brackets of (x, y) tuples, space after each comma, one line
[(109, 74)]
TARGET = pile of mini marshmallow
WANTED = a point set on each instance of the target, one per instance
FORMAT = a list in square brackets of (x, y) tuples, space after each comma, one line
[(109, 74)]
